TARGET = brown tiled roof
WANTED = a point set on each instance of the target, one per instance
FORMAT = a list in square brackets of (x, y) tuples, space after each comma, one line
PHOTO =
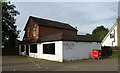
[(87, 38), (69, 37), (58, 37), (51, 23), (64, 37)]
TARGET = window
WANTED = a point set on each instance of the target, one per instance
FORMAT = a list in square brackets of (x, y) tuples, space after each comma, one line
[(33, 48), (22, 48), (111, 35), (49, 48), (34, 33), (34, 30), (28, 33)]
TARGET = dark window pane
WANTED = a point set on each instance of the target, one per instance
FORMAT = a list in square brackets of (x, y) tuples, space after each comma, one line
[(111, 35), (33, 48), (22, 48), (49, 48)]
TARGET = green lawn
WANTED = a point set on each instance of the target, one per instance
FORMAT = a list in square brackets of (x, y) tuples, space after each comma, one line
[(116, 55)]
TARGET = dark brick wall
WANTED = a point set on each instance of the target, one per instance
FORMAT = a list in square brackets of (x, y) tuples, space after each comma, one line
[(48, 31), (30, 26), (44, 31)]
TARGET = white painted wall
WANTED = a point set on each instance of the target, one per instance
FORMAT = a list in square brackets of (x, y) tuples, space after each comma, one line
[(78, 50), (19, 49), (108, 41), (58, 52), (69, 51), (66, 51), (35, 55), (21, 53), (96, 45)]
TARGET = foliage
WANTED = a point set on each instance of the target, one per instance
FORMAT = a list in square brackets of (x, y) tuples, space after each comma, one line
[(100, 32), (9, 29)]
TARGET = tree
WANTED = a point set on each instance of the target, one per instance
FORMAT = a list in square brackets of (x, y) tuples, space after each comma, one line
[(9, 29), (100, 32)]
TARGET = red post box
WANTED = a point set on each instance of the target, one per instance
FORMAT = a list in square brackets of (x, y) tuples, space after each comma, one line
[(96, 54)]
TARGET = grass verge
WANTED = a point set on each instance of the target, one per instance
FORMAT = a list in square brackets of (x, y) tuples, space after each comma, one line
[(116, 55)]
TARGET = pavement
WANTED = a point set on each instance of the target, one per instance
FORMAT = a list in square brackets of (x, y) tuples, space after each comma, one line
[(23, 63)]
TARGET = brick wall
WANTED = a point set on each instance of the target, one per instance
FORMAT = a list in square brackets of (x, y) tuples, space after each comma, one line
[(48, 31), (42, 31), (30, 28)]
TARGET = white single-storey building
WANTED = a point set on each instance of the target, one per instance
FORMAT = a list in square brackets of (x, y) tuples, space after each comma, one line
[(60, 47), (55, 41)]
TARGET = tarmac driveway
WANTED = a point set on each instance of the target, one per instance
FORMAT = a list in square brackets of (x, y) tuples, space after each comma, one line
[(22, 63)]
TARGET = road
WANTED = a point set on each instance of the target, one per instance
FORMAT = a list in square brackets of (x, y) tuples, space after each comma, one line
[(22, 63)]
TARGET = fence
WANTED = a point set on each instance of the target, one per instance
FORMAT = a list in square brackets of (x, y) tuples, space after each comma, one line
[(107, 50)]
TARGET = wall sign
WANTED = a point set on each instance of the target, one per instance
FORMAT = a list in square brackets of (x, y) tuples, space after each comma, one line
[(69, 45)]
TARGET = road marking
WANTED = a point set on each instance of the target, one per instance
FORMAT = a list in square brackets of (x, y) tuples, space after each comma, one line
[(34, 63)]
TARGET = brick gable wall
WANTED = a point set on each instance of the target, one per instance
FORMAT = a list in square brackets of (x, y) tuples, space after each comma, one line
[(30, 28), (42, 31)]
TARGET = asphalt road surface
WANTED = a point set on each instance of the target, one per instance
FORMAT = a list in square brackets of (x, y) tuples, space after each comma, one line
[(22, 63)]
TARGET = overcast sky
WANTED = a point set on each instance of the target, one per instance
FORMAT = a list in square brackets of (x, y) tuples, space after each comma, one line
[(84, 15)]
